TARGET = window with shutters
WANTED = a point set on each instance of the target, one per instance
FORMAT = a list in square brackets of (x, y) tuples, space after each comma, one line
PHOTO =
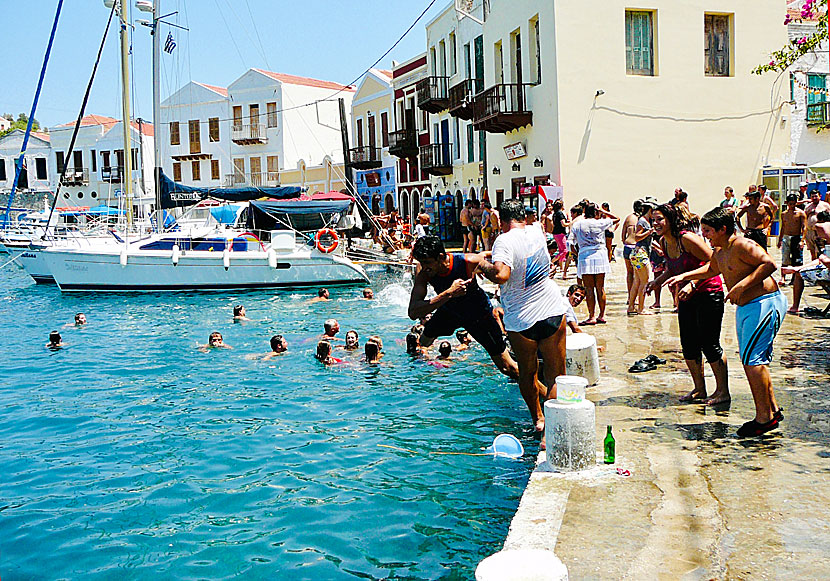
[(272, 114), (213, 129), (60, 161), (384, 129), (3, 170), (535, 52), (40, 168), (93, 157), (273, 167), (175, 136), (639, 42), (214, 169), (196, 170), (195, 136), (716, 45), (816, 85), (177, 171), (471, 148)]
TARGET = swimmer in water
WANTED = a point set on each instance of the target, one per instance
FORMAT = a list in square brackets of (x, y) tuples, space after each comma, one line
[(376, 339), (444, 350), (322, 295), (55, 341), (368, 294), (413, 345), (278, 346), (352, 343), (417, 328), (373, 352), (324, 354), (239, 314), (464, 340), (80, 319), (331, 328), (215, 341)]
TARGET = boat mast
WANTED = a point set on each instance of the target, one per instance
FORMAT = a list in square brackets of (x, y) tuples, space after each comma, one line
[(155, 32), (125, 112)]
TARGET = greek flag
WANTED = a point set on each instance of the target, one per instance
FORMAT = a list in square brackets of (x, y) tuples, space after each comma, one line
[(169, 44)]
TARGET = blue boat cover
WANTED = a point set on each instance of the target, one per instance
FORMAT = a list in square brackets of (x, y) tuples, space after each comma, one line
[(102, 210), (175, 195), (303, 207)]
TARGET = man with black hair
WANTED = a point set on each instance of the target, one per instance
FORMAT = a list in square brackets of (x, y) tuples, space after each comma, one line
[(534, 309), (747, 270), (459, 301), (758, 218)]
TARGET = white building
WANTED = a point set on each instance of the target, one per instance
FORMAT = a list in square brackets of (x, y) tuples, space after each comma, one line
[(95, 171), (37, 175), (5, 124), (265, 129)]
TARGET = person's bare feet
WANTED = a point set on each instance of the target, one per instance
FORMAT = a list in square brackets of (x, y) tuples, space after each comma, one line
[(718, 398), (693, 397), (792, 311), (588, 322)]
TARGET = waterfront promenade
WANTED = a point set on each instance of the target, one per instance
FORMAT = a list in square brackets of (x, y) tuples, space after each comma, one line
[(700, 503)]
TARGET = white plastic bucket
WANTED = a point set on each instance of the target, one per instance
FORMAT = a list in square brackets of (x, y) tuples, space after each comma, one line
[(582, 358), (570, 388)]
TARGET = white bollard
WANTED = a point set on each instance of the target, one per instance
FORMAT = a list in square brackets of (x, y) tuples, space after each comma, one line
[(582, 358), (570, 435), (522, 565)]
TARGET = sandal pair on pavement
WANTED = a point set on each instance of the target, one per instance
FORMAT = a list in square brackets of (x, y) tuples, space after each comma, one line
[(648, 363)]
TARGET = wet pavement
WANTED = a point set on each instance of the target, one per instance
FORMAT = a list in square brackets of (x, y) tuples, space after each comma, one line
[(700, 503)]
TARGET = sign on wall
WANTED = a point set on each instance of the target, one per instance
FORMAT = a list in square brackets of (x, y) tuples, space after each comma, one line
[(515, 150)]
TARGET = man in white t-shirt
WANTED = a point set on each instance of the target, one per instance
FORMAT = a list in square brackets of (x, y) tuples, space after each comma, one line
[(534, 308)]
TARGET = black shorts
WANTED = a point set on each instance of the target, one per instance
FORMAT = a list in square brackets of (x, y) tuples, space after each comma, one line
[(543, 329), (609, 234), (483, 328), (757, 235), (700, 319)]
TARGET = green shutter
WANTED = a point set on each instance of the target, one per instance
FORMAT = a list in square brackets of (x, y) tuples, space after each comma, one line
[(471, 150), (639, 55), (815, 82)]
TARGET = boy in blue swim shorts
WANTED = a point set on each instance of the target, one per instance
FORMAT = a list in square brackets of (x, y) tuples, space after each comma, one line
[(747, 271)]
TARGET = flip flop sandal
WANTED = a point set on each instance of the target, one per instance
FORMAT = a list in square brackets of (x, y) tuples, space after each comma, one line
[(642, 366), (752, 428), (601, 321), (654, 359), (587, 322)]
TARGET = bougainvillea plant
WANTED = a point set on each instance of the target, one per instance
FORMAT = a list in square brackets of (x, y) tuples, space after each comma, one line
[(814, 10)]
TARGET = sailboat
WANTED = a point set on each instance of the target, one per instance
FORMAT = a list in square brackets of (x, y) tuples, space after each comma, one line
[(266, 254)]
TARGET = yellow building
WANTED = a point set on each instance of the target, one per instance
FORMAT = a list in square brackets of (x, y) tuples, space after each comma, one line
[(616, 101)]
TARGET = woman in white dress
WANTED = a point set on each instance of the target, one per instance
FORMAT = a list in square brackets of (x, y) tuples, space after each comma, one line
[(592, 264)]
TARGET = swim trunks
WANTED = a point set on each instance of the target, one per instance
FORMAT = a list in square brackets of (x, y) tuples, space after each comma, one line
[(791, 252), (815, 273), (483, 328), (627, 250), (757, 323), (757, 235), (543, 329), (639, 258)]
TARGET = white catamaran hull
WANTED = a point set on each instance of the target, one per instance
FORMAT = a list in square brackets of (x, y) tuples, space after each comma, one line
[(80, 270)]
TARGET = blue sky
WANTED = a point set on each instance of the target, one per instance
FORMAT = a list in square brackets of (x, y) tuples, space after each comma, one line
[(325, 39)]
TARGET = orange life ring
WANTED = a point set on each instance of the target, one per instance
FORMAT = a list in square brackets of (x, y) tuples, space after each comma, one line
[(334, 242)]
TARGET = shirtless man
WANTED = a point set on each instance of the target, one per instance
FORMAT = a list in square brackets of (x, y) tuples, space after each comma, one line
[(629, 226), (476, 213), (791, 241), (466, 224), (55, 341), (322, 295), (459, 301), (812, 209), (278, 346), (239, 314), (758, 218), (747, 271), (767, 200), (817, 270), (490, 228), (215, 341), (331, 328)]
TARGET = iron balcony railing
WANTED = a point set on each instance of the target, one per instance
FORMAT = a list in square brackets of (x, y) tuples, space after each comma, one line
[(112, 174), (403, 143), (502, 108), (256, 179), (436, 158), (248, 134), (433, 94), (364, 157), (462, 97), (76, 177)]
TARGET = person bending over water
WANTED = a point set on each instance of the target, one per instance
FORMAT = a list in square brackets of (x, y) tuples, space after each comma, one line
[(215, 341), (239, 314), (55, 341), (747, 270), (459, 302), (324, 354)]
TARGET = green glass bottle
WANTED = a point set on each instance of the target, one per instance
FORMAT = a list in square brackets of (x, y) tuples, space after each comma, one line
[(610, 447)]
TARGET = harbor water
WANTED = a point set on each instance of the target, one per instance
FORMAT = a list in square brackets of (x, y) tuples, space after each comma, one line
[(131, 453)]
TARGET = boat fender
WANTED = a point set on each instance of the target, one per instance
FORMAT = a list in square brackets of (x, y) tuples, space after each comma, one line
[(272, 258), (123, 258), (334, 240), (226, 259), (176, 255)]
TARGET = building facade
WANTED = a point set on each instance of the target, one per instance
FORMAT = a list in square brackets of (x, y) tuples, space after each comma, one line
[(37, 175), (666, 99)]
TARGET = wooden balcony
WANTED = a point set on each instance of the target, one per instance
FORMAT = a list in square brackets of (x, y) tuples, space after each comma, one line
[(433, 96), (436, 159), (365, 157), (403, 143), (818, 114), (268, 179), (502, 108), (253, 134), (112, 175), (462, 97), (75, 177)]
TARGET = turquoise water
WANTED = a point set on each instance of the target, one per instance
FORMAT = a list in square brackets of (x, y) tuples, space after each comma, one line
[(130, 453)]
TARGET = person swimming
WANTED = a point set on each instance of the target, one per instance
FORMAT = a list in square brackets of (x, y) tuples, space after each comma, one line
[(417, 328), (464, 340), (239, 314), (368, 294), (322, 295), (55, 340), (373, 352), (444, 350), (80, 319), (323, 354), (331, 328), (413, 344), (215, 341), (278, 346), (352, 341)]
